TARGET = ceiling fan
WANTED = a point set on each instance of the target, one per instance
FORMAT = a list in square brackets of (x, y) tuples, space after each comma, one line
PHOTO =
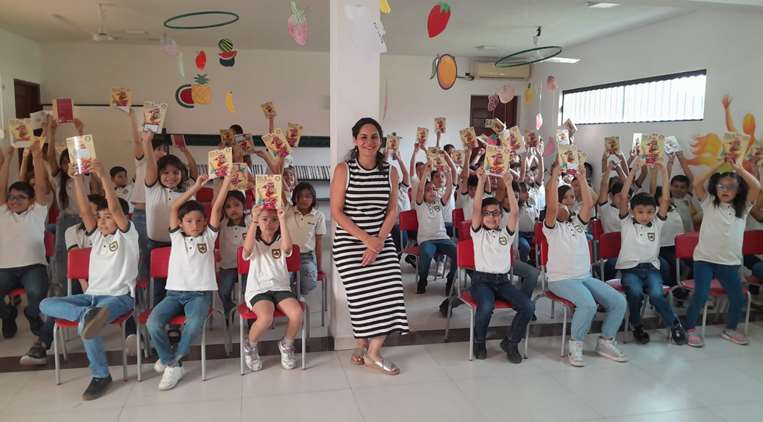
[(102, 34)]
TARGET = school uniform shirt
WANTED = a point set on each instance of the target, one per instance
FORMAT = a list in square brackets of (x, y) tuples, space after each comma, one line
[(683, 207), (753, 224), (232, 237), (138, 193), (639, 243), (158, 202), (673, 227), (538, 196), (76, 237), (267, 268), (609, 215), (431, 221), (304, 227), (527, 216), (568, 255), (125, 193), (22, 241), (450, 204), (403, 200), (721, 233), (192, 261), (466, 203), (113, 262), (492, 249)]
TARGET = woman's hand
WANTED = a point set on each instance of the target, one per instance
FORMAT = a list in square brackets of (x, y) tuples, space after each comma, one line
[(374, 243), (369, 257)]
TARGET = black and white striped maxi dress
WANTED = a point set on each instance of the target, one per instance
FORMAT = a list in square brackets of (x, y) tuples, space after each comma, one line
[(375, 292)]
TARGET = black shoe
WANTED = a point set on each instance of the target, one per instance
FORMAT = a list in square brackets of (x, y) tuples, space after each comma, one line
[(678, 334), (174, 335), (512, 351), (9, 322), (35, 324), (37, 355), (97, 388), (444, 307), (421, 287), (480, 350), (411, 260), (95, 319), (641, 336)]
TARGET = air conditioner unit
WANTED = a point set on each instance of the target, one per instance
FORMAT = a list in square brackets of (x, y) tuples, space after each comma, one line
[(488, 70)]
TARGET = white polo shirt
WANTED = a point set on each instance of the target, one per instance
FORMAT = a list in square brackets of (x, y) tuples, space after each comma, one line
[(22, 241), (527, 216), (431, 222), (232, 237), (609, 215), (721, 233), (113, 262), (672, 227), (639, 243), (192, 261), (158, 202), (568, 255), (538, 195), (450, 204), (125, 193), (267, 268), (304, 227), (492, 250), (403, 200), (466, 203), (76, 237), (138, 194)]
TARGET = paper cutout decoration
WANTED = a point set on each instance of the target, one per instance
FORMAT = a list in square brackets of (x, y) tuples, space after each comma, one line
[(297, 24), (439, 125), (219, 162), (734, 147), (229, 102), (438, 19), (293, 134), (245, 143), (37, 119), (549, 148), (201, 92), (538, 121), (514, 140), (434, 156), (496, 159), (446, 70), (276, 143), (179, 141), (756, 153), (458, 156), (393, 143), (562, 137), (652, 148), (569, 158), (551, 83), (153, 117), (422, 135), (21, 132), (492, 102), (529, 94), (571, 128), (495, 124), (269, 110), (201, 61), (268, 190), (121, 98), (240, 176), (227, 54), (384, 6), (81, 152), (184, 96), (181, 66), (506, 94), (63, 110), (671, 145), (612, 144), (227, 137), (468, 137), (169, 46)]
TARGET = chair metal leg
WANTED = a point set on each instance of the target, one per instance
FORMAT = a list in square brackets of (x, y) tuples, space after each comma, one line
[(564, 328), (204, 348), (241, 342), (747, 317), (324, 303), (124, 352), (305, 323), (56, 339), (139, 361), (704, 319), (553, 304), (471, 334)]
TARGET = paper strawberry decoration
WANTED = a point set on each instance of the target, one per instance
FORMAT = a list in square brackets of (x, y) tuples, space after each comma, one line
[(438, 19), (201, 60), (297, 24), (492, 103)]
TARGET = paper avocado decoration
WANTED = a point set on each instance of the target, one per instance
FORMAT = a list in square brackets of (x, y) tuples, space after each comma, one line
[(297, 24), (384, 6), (438, 19), (444, 66), (227, 53), (506, 94)]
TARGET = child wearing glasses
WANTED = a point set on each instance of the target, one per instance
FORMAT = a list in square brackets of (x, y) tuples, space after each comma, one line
[(725, 205)]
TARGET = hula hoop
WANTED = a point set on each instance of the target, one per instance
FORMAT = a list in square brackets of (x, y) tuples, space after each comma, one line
[(233, 17), (530, 56)]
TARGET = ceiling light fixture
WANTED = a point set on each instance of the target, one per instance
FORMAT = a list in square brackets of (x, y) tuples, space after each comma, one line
[(486, 47), (601, 4), (558, 59)]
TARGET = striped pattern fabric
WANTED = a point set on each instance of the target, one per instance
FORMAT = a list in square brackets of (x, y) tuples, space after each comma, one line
[(375, 292)]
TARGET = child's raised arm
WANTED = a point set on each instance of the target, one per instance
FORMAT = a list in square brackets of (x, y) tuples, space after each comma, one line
[(448, 185), (217, 206), (665, 196), (152, 170), (422, 184), (5, 165), (252, 230), (23, 174), (699, 183), (285, 237), (40, 175), (193, 169), (511, 226), (180, 200), (477, 203), (89, 220), (625, 205), (404, 171), (752, 182), (412, 168), (137, 144), (463, 182), (111, 197), (585, 192), (604, 183), (552, 195), (51, 157)]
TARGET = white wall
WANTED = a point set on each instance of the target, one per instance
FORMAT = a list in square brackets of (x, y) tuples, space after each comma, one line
[(20, 59), (727, 44)]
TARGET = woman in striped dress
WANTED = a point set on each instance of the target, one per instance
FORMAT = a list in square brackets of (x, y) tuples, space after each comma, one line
[(363, 204)]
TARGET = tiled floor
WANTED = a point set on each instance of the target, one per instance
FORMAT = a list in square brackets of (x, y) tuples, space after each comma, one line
[(662, 382)]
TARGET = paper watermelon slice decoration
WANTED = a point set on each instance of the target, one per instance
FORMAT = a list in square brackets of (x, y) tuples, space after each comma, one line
[(184, 96), (227, 53)]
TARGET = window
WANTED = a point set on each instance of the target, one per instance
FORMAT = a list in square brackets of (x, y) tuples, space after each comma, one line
[(667, 98)]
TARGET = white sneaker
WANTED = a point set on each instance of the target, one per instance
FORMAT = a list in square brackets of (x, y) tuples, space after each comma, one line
[(575, 354), (252, 357), (159, 367), (171, 377), (608, 349), (132, 344), (288, 360)]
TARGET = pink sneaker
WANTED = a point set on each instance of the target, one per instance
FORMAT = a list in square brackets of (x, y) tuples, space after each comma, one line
[(694, 339), (735, 337)]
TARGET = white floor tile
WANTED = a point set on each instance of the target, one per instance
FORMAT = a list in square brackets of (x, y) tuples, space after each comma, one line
[(334, 406), (416, 366), (223, 410), (324, 373), (80, 415), (692, 415)]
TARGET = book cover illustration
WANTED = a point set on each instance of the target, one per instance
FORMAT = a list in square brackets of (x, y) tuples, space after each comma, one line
[(37, 119), (562, 137), (515, 140), (757, 152), (63, 110), (240, 176), (531, 139), (268, 192), (393, 143), (671, 145), (153, 117), (439, 125), (434, 156), (636, 145), (21, 132), (245, 142), (276, 143), (219, 162), (81, 152), (422, 135), (458, 156), (227, 136), (468, 137), (612, 144), (269, 110), (121, 98), (569, 158), (652, 148), (571, 128), (496, 160), (495, 124), (293, 134), (734, 144)]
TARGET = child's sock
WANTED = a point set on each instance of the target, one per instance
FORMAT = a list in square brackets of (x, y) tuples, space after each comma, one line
[(288, 342)]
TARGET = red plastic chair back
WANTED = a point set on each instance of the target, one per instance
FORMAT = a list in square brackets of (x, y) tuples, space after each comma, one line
[(408, 221), (160, 262), (464, 230), (78, 264), (458, 216), (53, 214), (596, 228), (205, 195), (50, 244), (753, 242), (465, 254), (685, 244), (241, 263), (609, 245), (249, 204), (293, 262), (207, 209)]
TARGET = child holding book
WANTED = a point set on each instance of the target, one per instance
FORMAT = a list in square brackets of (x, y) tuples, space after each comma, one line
[(726, 202), (403, 202), (492, 262), (307, 226), (111, 283), (232, 233), (267, 246), (191, 278)]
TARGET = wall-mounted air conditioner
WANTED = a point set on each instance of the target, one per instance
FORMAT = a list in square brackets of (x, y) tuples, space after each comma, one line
[(488, 70)]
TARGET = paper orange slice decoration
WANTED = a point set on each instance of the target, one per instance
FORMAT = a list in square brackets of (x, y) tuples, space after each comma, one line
[(447, 71)]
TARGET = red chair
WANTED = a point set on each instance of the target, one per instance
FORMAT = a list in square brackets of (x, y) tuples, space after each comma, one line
[(246, 314), (207, 209), (159, 268), (597, 231), (464, 230), (465, 261), (409, 222), (753, 245), (78, 267), (53, 214), (685, 244), (249, 200), (205, 195), (458, 217)]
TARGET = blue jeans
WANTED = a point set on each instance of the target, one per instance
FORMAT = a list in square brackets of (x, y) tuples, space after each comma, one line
[(485, 289), (195, 307), (645, 278), (159, 283), (73, 308), (525, 240), (308, 274), (728, 275), (228, 278), (427, 251), (33, 278), (139, 220), (585, 293), (400, 238), (528, 275), (58, 283), (755, 265)]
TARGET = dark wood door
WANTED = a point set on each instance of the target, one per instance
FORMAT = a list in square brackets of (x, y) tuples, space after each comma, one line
[(478, 112), (27, 98)]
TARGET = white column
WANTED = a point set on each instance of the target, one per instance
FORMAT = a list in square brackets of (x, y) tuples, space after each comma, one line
[(355, 67)]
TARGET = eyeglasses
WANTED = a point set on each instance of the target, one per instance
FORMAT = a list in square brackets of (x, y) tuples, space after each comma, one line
[(491, 213), (726, 188), (18, 197)]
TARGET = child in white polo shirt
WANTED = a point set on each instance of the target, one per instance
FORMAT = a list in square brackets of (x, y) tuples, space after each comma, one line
[(307, 226), (639, 259), (232, 234), (492, 264), (569, 271), (190, 280), (111, 282), (267, 246)]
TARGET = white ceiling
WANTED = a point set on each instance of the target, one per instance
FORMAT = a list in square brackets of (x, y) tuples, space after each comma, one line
[(507, 24)]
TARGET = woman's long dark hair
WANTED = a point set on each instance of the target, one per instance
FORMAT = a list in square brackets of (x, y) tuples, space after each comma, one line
[(63, 179), (380, 160), (740, 200)]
